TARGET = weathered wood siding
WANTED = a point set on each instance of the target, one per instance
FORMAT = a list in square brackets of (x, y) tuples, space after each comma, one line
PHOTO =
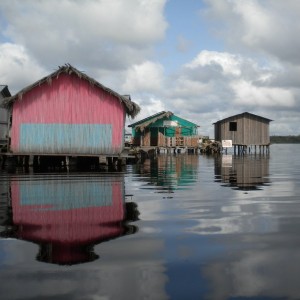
[(244, 172), (251, 130), (68, 116), (183, 141), (162, 140), (146, 139)]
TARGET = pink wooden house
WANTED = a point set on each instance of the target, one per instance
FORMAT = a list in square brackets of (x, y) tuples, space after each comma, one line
[(68, 112), (67, 219)]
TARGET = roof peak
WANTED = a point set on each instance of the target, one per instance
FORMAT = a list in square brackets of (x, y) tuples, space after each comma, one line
[(241, 114), (132, 109)]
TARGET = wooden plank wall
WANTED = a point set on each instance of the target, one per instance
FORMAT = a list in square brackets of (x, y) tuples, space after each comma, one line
[(244, 172), (250, 131), (70, 104), (146, 139), (185, 141)]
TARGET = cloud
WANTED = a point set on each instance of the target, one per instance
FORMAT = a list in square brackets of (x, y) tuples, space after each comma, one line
[(262, 34), (110, 34), (215, 85), (145, 77), (246, 93), (265, 27), (17, 67), (229, 64), (257, 69), (183, 44)]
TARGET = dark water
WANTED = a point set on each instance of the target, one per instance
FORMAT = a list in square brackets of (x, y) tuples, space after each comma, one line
[(178, 227)]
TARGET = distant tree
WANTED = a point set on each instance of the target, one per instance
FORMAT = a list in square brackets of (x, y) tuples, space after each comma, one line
[(285, 139)]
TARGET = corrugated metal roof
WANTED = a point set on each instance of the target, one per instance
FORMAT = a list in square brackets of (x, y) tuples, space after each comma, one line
[(244, 114)]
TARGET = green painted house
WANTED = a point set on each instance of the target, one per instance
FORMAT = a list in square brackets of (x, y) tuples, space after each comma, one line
[(165, 129)]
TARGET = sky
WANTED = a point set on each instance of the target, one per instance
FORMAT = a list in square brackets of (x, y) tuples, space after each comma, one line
[(203, 60)]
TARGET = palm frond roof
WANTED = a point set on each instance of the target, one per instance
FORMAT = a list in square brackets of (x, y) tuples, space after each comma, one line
[(131, 108)]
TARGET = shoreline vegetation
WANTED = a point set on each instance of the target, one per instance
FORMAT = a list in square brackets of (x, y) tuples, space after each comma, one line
[(285, 139)]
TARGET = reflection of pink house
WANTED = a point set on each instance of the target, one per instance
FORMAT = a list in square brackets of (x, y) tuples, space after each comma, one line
[(68, 112), (67, 217)]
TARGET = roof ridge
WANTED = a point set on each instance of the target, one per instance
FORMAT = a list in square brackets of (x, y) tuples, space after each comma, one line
[(132, 109)]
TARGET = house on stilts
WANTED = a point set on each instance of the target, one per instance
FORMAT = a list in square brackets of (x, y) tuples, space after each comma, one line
[(165, 130), (245, 130), (243, 172), (66, 232), (70, 114)]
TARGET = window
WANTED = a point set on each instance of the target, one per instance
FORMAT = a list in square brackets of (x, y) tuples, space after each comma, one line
[(232, 126)]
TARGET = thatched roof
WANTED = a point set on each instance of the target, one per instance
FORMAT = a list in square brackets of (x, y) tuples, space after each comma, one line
[(132, 109), (142, 124)]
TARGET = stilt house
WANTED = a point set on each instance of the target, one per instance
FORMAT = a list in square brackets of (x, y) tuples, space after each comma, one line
[(91, 212), (68, 112), (165, 129), (244, 130), (243, 172), (4, 92)]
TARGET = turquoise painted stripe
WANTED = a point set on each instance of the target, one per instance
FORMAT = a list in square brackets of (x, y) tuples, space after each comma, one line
[(64, 137), (65, 195)]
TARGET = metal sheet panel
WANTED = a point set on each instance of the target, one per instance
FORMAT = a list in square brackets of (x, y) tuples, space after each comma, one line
[(63, 195), (65, 138)]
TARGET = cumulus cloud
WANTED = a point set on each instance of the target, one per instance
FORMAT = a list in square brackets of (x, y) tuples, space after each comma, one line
[(229, 64), (17, 67), (262, 34), (248, 94), (265, 27), (108, 40), (256, 70), (145, 77), (106, 34), (150, 106), (215, 85), (232, 79)]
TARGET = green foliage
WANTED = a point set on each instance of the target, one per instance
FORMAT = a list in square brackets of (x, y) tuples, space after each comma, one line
[(289, 139)]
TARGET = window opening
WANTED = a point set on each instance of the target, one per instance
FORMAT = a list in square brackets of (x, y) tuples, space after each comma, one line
[(232, 126)]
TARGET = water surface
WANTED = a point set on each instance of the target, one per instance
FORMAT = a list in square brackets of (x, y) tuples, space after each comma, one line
[(176, 227)]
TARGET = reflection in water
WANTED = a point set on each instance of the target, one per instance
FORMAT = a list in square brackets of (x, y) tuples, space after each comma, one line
[(247, 172), (261, 267), (207, 242), (238, 210), (68, 216), (170, 172)]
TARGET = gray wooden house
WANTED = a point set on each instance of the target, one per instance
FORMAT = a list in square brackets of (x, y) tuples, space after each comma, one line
[(243, 172), (244, 130), (4, 92)]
